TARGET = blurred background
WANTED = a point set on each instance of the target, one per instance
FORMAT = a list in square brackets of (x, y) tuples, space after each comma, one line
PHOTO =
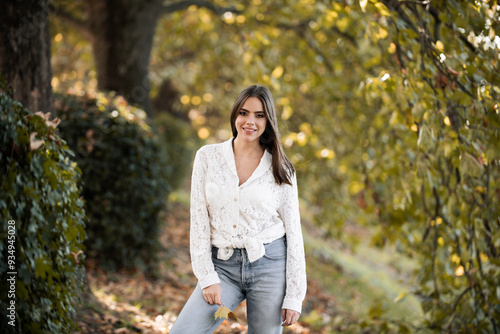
[(388, 109)]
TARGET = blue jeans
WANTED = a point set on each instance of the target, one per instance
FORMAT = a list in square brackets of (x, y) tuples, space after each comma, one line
[(262, 283)]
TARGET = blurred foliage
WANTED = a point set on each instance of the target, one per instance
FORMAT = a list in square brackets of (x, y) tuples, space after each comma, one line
[(40, 198), (124, 176), (390, 112), (73, 66), (180, 143), (392, 120)]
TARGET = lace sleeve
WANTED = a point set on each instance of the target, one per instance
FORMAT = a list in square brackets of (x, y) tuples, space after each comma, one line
[(296, 282), (200, 244)]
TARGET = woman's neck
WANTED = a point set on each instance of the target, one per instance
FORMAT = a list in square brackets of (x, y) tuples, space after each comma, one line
[(241, 147)]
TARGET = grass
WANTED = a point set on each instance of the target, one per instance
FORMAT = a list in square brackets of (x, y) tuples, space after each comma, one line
[(366, 284)]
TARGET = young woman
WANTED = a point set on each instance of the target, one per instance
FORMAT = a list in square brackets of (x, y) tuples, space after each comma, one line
[(246, 238)]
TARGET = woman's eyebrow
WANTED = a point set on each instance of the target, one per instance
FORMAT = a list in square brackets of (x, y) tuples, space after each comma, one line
[(257, 112)]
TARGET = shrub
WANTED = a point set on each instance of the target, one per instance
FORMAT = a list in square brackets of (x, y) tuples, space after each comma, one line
[(180, 143), (43, 222), (124, 177)]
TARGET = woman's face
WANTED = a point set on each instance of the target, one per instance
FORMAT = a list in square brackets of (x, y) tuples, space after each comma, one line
[(251, 120)]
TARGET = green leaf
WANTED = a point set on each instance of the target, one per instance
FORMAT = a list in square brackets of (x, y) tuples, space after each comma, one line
[(469, 165), (426, 138)]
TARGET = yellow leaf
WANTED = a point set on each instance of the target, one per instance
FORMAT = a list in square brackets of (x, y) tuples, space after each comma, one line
[(392, 48), (224, 312), (439, 46), (383, 9), (247, 57), (262, 38), (440, 241), (287, 112), (400, 296), (480, 189), (343, 24), (278, 71), (233, 316), (382, 33)]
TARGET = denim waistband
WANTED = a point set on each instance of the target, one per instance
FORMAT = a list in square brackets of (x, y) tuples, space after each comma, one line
[(215, 249)]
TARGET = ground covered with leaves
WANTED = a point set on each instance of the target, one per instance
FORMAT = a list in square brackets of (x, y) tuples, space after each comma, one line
[(133, 302)]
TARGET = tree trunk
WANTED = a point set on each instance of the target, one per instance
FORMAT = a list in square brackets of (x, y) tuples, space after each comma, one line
[(25, 53), (121, 33)]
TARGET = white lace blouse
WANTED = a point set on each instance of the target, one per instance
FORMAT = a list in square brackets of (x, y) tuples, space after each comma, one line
[(229, 216)]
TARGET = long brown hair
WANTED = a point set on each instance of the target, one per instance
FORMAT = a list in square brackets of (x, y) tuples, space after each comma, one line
[(270, 140)]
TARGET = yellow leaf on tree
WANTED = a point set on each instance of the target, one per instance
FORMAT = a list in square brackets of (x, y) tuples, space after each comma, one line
[(400, 296), (439, 46), (224, 312), (278, 71), (383, 9)]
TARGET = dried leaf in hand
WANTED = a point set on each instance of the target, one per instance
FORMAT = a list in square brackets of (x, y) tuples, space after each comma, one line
[(224, 312), (232, 315)]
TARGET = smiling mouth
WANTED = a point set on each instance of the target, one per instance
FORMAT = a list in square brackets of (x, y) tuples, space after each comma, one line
[(249, 130)]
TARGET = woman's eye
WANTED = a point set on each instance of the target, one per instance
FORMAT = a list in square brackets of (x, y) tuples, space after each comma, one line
[(242, 113), (260, 116)]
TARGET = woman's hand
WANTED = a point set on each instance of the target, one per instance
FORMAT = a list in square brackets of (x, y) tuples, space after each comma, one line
[(289, 317), (212, 294)]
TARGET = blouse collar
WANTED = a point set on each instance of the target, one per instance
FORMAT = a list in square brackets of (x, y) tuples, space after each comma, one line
[(264, 164)]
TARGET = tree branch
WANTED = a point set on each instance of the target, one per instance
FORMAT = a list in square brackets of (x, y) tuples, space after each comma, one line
[(424, 40), (440, 67), (468, 44), (429, 8), (396, 6), (422, 2), (433, 267), (182, 5), (399, 54), (299, 29), (455, 305), (438, 202), (67, 17), (317, 49), (437, 21), (345, 35), (424, 203)]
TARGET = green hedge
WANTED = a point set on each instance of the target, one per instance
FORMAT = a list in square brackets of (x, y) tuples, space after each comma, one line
[(180, 142), (124, 177), (43, 222)]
